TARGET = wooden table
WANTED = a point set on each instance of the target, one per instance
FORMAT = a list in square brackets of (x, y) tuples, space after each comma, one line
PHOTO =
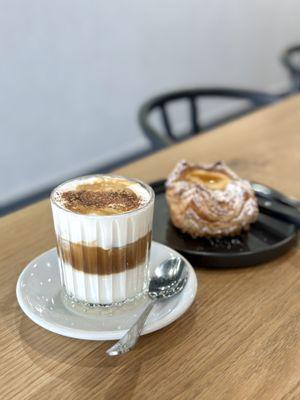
[(239, 340)]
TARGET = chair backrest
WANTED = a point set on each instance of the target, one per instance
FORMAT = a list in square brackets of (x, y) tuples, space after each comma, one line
[(291, 60), (161, 103)]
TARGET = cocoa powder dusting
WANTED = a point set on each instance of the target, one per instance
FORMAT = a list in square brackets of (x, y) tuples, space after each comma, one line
[(102, 202)]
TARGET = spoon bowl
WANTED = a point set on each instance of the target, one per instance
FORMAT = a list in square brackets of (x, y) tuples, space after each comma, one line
[(167, 278)]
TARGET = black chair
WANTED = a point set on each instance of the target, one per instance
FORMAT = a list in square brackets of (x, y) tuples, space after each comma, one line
[(291, 60), (160, 138)]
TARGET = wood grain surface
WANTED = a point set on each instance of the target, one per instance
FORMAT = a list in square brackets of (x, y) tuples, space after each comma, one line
[(239, 340)]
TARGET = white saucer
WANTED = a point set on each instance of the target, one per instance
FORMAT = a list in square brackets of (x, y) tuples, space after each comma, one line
[(39, 295)]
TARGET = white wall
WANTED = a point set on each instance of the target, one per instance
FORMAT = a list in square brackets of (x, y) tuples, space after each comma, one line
[(73, 72)]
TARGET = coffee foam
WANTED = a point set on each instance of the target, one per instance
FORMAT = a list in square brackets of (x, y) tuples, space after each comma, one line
[(105, 231), (98, 184)]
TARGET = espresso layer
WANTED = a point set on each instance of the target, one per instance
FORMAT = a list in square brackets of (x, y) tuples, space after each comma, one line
[(96, 260)]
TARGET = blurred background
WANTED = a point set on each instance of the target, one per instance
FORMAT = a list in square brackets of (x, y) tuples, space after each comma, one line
[(73, 75)]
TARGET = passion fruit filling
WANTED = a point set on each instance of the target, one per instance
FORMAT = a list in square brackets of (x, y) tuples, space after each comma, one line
[(211, 179)]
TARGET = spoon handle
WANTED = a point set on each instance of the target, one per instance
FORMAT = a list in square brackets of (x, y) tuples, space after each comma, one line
[(273, 194), (129, 340), (280, 211)]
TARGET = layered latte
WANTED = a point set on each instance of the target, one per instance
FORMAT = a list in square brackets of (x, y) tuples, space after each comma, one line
[(103, 227)]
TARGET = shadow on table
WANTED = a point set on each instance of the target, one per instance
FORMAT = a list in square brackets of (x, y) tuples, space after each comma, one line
[(83, 365)]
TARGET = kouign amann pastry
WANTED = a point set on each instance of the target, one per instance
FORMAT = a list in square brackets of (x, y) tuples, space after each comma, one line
[(210, 200)]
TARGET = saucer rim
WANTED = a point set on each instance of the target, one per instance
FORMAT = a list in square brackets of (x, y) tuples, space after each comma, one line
[(77, 333)]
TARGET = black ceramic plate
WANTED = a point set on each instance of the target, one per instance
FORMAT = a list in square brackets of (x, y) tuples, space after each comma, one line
[(267, 239)]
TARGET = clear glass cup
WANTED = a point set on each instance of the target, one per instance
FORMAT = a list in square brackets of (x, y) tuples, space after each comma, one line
[(103, 259)]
